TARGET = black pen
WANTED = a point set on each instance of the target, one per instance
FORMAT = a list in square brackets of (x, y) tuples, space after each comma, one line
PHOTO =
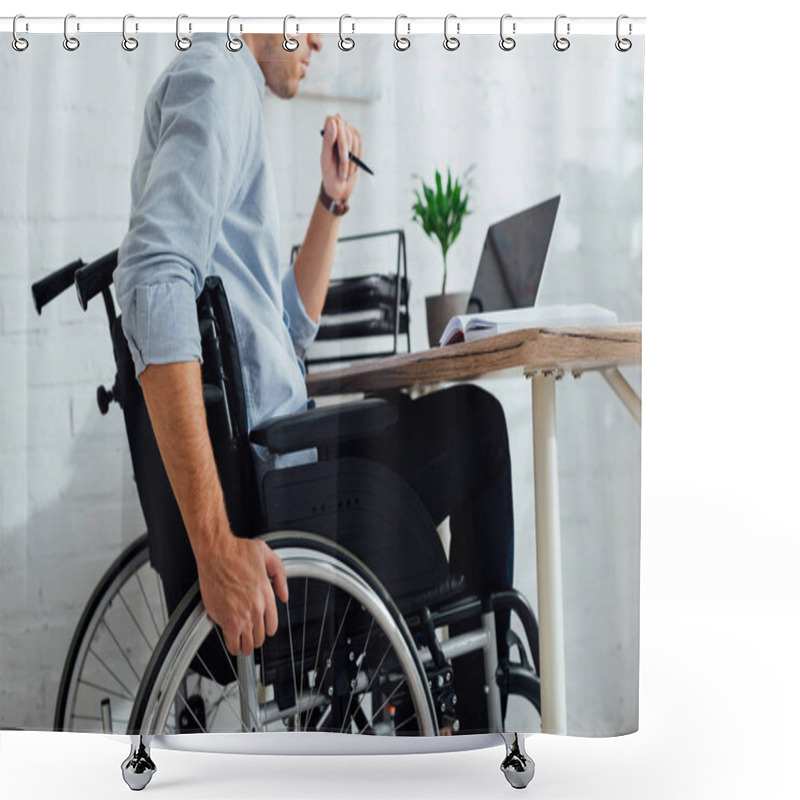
[(356, 160)]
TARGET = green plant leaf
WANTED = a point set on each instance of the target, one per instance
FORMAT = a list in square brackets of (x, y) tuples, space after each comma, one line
[(441, 209)]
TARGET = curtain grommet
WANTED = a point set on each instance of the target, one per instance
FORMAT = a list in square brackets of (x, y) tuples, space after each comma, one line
[(561, 43), (507, 43), (290, 44), (346, 43), (19, 43), (183, 43), (451, 43), (129, 43), (71, 43), (401, 43), (233, 44)]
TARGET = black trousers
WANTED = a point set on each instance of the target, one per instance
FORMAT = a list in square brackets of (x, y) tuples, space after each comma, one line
[(452, 448)]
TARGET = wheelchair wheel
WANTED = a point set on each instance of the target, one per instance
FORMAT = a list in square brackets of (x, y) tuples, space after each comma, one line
[(343, 659), (113, 642)]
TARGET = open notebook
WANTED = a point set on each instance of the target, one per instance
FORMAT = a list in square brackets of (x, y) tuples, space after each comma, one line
[(469, 327)]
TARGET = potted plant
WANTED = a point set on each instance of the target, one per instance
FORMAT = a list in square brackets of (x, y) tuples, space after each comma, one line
[(440, 210)]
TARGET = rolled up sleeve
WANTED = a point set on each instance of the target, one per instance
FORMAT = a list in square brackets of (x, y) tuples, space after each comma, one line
[(302, 328), (160, 323)]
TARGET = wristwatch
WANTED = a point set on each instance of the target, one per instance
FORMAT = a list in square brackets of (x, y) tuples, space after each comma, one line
[(335, 207)]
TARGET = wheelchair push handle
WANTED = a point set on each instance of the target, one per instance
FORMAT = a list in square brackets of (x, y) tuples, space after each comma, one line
[(54, 284), (92, 279), (89, 279)]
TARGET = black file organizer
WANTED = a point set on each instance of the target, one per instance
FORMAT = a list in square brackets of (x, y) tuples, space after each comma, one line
[(370, 306)]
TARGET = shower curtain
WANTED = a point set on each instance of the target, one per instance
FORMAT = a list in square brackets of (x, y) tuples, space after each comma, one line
[(515, 128)]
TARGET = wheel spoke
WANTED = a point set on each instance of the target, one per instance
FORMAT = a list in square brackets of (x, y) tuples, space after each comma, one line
[(294, 673), (104, 689), (189, 709), (136, 621), (223, 694), (121, 650), (355, 680), (213, 710), (112, 674), (375, 674), (319, 649), (405, 722), (303, 640), (385, 702), (323, 718), (333, 650), (321, 633)]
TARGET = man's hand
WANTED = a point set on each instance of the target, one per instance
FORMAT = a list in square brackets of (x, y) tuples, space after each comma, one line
[(339, 173), (235, 586), (312, 267)]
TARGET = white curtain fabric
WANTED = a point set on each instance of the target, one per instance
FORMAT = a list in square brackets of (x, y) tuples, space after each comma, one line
[(533, 122)]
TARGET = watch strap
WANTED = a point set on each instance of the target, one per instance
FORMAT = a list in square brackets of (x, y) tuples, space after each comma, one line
[(335, 207)]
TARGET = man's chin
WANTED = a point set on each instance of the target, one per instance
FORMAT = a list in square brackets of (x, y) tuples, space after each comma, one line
[(290, 90)]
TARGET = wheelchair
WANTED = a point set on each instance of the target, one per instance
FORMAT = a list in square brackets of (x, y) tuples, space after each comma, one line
[(370, 640)]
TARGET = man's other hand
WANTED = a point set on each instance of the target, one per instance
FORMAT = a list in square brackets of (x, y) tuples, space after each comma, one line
[(237, 580), (339, 173)]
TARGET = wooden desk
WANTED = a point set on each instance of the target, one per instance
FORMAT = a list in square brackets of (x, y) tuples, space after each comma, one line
[(542, 354)]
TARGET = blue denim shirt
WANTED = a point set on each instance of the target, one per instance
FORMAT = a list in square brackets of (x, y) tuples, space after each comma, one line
[(204, 203)]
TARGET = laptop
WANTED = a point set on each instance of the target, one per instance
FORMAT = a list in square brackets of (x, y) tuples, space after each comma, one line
[(512, 261)]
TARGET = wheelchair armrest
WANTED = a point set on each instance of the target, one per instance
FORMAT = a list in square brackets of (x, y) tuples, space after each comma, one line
[(323, 426)]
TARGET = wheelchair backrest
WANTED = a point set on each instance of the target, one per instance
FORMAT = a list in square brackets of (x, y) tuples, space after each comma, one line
[(226, 414)]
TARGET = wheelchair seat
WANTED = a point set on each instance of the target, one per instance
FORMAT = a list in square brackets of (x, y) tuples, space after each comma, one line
[(361, 505)]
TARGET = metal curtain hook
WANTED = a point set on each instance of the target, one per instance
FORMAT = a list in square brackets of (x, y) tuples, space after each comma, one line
[(233, 44), (561, 43), (345, 42), (18, 43), (129, 43), (183, 43), (507, 42), (70, 42), (451, 42), (290, 44), (400, 42), (623, 45)]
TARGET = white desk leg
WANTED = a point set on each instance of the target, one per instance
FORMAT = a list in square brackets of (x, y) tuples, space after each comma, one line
[(625, 392), (548, 554)]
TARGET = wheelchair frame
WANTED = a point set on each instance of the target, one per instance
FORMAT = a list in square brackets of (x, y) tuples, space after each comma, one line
[(425, 656)]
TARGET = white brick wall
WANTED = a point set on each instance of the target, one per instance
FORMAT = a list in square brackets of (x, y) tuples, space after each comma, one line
[(534, 122)]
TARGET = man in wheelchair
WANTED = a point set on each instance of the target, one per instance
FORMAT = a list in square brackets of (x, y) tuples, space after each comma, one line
[(205, 213)]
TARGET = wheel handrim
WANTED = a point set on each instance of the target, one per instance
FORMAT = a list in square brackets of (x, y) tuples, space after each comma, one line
[(327, 569)]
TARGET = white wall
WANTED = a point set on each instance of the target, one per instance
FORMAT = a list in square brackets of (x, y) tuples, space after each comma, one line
[(534, 122)]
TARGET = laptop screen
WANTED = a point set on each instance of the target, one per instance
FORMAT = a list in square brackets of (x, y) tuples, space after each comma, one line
[(513, 258)]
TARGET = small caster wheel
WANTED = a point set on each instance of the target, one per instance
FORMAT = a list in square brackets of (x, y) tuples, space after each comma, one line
[(138, 768), (517, 766)]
